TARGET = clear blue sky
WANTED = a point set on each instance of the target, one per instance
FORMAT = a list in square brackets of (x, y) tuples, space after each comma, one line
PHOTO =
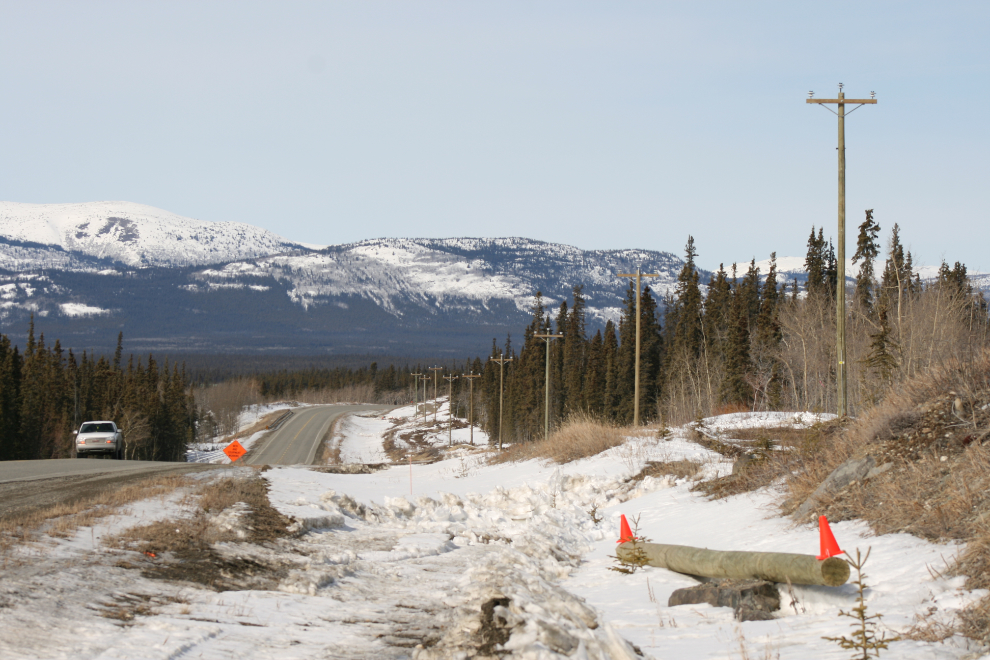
[(599, 124)]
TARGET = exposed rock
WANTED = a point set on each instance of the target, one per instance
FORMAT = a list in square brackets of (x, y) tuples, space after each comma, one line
[(855, 469), (742, 462), (752, 600), (878, 470)]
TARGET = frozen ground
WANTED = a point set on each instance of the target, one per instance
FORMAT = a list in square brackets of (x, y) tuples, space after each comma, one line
[(360, 437), (405, 561)]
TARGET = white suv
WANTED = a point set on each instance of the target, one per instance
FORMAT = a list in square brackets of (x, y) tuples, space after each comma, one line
[(99, 438)]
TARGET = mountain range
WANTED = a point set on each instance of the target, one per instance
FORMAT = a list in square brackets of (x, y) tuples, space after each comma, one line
[(88, 271), (173, 284)]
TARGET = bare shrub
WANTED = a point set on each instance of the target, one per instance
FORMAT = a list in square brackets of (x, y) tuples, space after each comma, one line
[(349, 394), (222, 403), (579, 437)]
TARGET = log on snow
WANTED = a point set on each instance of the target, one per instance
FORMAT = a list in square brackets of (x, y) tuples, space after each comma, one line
[(770, 566)]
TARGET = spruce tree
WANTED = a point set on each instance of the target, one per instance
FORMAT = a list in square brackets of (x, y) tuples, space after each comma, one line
[(575, 350), (684, 319), (610, 365), (867, 249), (717, 310), (735, 387)]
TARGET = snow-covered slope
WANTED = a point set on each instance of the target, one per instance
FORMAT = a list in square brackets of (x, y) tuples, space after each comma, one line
[(135, 234), (453, 275)]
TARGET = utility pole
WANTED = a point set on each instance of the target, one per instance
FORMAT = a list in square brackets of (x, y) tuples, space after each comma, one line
[(546, 396), (450, 408), (425, 378), (415, 394), (471, 378), (435, 370), (840, 284), (639, 277), (501, 359)]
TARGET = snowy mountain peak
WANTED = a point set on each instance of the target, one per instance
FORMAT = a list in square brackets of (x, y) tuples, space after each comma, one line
[(136, 234)]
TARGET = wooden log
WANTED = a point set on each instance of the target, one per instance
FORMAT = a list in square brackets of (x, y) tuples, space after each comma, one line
[(770, 566)]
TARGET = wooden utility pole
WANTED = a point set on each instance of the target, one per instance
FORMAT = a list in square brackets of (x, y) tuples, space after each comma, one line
[(471, 376), (450, 408), (639, 276), (415, 394), (546, 397), (840, 284), (435, 370), (501, 359), (426, 379)]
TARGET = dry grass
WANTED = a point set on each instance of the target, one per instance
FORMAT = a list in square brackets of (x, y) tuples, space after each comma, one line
[(182, 549), (580, 436), (63, 519), (681, 469), (933, 431), (264, 523)]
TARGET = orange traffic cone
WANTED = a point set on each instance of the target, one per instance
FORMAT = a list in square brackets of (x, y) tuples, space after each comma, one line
[(830, 548), (625, 534)]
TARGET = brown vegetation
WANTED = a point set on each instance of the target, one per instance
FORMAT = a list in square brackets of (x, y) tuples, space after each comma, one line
[(63, 519), (929, 438), (579, 437), (183, 549)]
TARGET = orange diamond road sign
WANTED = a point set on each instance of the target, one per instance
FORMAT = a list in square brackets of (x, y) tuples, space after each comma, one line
[(234, 451)]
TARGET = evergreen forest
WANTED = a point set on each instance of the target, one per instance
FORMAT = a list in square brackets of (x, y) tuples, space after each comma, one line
[(46, 392), (740, 341)]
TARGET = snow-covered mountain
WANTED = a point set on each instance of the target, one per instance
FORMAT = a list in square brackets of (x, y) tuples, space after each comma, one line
[(462, 275), (132, 234), (86, 273)]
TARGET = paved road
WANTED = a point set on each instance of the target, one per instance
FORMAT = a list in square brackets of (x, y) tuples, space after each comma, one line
[(78, 467), (31, 485), (298, 440)]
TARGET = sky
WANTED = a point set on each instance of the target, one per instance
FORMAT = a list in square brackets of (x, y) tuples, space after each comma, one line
[(597, 124)]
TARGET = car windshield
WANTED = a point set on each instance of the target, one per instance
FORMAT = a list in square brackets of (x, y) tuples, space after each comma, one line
[(105, 427)]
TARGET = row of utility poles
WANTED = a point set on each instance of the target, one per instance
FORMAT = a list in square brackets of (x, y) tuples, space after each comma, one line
[(841, 395), (424, 378)]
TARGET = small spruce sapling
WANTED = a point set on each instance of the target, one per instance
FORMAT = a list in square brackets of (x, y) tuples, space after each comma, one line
[(864, 640), (637, 557)]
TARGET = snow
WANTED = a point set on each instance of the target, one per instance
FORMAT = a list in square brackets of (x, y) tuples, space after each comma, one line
[(134, 234), (81, 309), (407, 555), (211, 451), (466, 275)]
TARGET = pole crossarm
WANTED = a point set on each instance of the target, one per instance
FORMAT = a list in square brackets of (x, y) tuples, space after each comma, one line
[(840, 257), (639, 275), (844, 101), (546, 398)]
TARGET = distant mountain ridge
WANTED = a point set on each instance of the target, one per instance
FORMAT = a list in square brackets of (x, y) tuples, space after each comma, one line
[(134, 234), (170, 283), (89, 271)]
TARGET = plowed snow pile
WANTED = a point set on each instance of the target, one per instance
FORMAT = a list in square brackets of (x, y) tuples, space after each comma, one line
[(460, 559)]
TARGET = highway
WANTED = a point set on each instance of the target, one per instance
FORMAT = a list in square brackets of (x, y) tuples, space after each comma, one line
[(297, 441)]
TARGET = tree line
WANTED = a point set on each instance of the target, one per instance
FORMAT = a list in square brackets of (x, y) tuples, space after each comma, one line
[(46, 392), (740, 342)]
